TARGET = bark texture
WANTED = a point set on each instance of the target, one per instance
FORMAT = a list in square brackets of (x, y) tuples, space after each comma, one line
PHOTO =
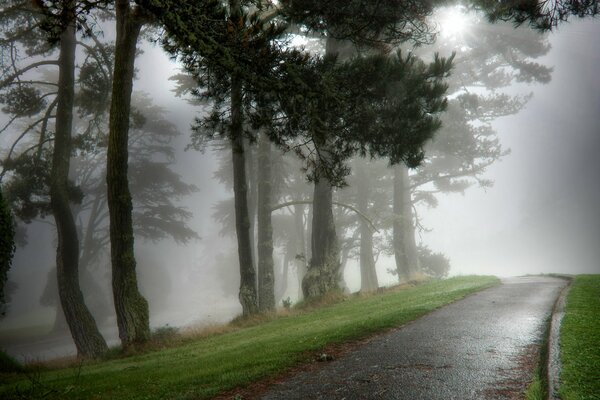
[(248, 295), (302, 252), (324, 268), (266, 279), (130, 306), (405, 247), (323, 272), (368, 273), (85, 333)]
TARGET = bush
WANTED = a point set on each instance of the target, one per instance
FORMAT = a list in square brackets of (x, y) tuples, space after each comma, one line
[(8, 364), (436, 265)]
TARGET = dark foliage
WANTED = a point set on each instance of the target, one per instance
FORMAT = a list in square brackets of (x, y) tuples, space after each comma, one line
[(540, 14), (7, 248), (365, 22)]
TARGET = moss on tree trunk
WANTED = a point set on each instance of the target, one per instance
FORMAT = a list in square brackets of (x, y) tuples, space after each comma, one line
[(405, 247), (368, 273), (130, 306), (85, 333), (266, 276)]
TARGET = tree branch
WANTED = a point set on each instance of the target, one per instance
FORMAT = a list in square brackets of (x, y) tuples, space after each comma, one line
[(336, 203)]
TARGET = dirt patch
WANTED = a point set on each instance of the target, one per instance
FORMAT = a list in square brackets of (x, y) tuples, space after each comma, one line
[(513, 382)]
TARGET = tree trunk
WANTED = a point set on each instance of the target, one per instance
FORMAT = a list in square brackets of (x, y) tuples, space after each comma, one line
[(87, 338), (266, 281), (324, 268), (248, 295), (251, 174), (368, 273), (282, 282), (130, 306), (323, 271), (301, 251), (405, 247)]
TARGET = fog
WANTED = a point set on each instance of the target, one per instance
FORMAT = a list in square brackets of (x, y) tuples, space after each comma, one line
[(540, 215)]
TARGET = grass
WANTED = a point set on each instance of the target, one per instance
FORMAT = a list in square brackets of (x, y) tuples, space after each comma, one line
[(204, 367), (538, 388), (580, 341)]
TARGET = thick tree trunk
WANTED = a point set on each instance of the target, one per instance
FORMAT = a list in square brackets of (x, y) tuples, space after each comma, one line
[(130, 306), (266, 279), (405, 247), (247, 295), (87, 338), (323, 271), (368, 273)]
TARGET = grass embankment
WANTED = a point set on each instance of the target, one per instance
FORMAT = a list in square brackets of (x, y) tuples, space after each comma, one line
[(205, 367), (580, 340)]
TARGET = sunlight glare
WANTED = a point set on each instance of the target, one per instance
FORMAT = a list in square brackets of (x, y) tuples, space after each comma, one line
[(453, 21)]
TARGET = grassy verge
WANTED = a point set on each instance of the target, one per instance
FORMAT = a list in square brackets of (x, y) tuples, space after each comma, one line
[(580, 341), (205, 367)]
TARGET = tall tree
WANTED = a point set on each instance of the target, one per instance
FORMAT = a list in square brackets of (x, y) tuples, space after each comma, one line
[(491, 59), (224, 49), (7, 248), (374, 25), (368, 273), (392, 94), (266, 273), (44, 29), (131, 307)]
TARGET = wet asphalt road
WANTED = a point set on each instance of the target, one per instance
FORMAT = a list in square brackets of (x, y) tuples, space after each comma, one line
[(478, 348)]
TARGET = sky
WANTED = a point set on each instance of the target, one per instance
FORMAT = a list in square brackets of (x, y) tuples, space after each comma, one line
[(540, 216)]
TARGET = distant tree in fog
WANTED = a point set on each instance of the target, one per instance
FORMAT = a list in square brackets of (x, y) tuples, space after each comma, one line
[(433, 264), (228, 51), (492, 58)]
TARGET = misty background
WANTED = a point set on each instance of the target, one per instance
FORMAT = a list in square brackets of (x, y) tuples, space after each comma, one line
[(540, 216)]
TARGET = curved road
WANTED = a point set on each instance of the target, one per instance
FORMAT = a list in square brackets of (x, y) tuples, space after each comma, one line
[(482, 347)]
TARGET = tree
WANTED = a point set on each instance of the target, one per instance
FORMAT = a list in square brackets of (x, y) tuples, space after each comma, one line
[(540, 14), (154, 187), (225, 50), (392, 94), (374, 25), (7, 249), (458, 157), (83, 328), (266, 274), (433, 264), (131, 307)]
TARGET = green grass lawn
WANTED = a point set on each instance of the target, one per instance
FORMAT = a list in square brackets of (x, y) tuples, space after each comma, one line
[(207, 366), (580, 341)]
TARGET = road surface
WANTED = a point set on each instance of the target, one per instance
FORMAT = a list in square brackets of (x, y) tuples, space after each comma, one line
[(482, 347)]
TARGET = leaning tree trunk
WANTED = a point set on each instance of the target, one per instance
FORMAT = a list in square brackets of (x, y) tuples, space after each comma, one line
[(368, 273), (405, 247), (130, 306), (87, 338), (266, 280)]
